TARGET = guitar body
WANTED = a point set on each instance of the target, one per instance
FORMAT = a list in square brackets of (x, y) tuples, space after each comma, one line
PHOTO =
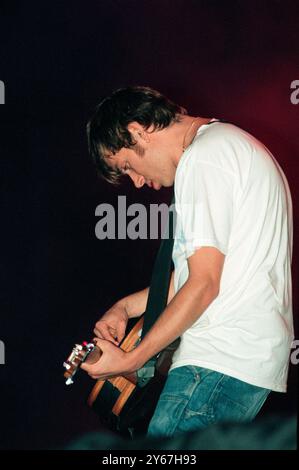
[(125, 408), (121, 403)]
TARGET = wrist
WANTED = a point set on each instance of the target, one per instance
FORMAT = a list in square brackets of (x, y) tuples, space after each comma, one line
[(134, 360), (123, 305), (135, 304)]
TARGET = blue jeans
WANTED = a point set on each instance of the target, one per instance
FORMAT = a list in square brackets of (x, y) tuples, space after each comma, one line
[(194, 397)]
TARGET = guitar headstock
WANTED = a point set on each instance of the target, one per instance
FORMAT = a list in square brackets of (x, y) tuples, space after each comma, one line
[(78, 355)]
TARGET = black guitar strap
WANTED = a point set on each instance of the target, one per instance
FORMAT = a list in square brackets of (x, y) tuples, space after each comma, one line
[(160, 280), (159, 286)]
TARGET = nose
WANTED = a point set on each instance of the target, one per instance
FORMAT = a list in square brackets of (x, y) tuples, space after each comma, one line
[(137, 179)]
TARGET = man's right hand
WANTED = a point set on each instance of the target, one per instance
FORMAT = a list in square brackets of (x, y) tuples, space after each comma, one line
[(112, 325)]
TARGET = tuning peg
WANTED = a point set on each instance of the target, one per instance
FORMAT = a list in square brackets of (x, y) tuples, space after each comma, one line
[(69, 381)]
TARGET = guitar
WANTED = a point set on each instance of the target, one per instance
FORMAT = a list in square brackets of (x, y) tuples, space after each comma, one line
[(124, 403)]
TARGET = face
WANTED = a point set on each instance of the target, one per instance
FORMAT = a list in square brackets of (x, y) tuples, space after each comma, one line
[(145, 164)]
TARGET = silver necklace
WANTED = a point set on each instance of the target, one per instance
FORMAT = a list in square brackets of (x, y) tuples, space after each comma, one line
[(189, 128)]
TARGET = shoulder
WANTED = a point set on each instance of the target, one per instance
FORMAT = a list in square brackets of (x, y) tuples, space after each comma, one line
[(222, 146), (219, 139)]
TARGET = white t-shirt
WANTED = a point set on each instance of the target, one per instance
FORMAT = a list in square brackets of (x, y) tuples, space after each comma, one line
[(231, 194)]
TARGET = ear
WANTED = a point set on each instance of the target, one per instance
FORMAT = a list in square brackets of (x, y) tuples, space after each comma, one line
[(138, 132)]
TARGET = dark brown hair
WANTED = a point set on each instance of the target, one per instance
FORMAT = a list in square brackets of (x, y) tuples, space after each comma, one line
[(107, 130)]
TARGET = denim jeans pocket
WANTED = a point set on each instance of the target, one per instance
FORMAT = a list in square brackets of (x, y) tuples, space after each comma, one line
[(234, 400)]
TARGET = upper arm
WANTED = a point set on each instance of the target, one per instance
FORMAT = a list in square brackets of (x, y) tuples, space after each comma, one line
[(205, 267)]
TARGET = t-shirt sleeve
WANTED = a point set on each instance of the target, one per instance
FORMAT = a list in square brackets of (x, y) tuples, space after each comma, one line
[(204, 206)]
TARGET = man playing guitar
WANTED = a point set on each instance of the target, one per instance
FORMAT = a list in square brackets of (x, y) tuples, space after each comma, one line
[(230, 293)]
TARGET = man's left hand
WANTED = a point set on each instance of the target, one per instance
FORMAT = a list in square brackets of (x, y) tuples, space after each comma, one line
[(113, 362)]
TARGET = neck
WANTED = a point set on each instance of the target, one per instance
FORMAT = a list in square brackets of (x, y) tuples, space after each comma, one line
[(187, 130)]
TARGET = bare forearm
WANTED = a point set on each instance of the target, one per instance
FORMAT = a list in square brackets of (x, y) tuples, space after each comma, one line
[(171, 288), (183, 310), (135, 304)]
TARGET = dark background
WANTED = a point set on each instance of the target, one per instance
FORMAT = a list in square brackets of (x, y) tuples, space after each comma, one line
[(226, 59)]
